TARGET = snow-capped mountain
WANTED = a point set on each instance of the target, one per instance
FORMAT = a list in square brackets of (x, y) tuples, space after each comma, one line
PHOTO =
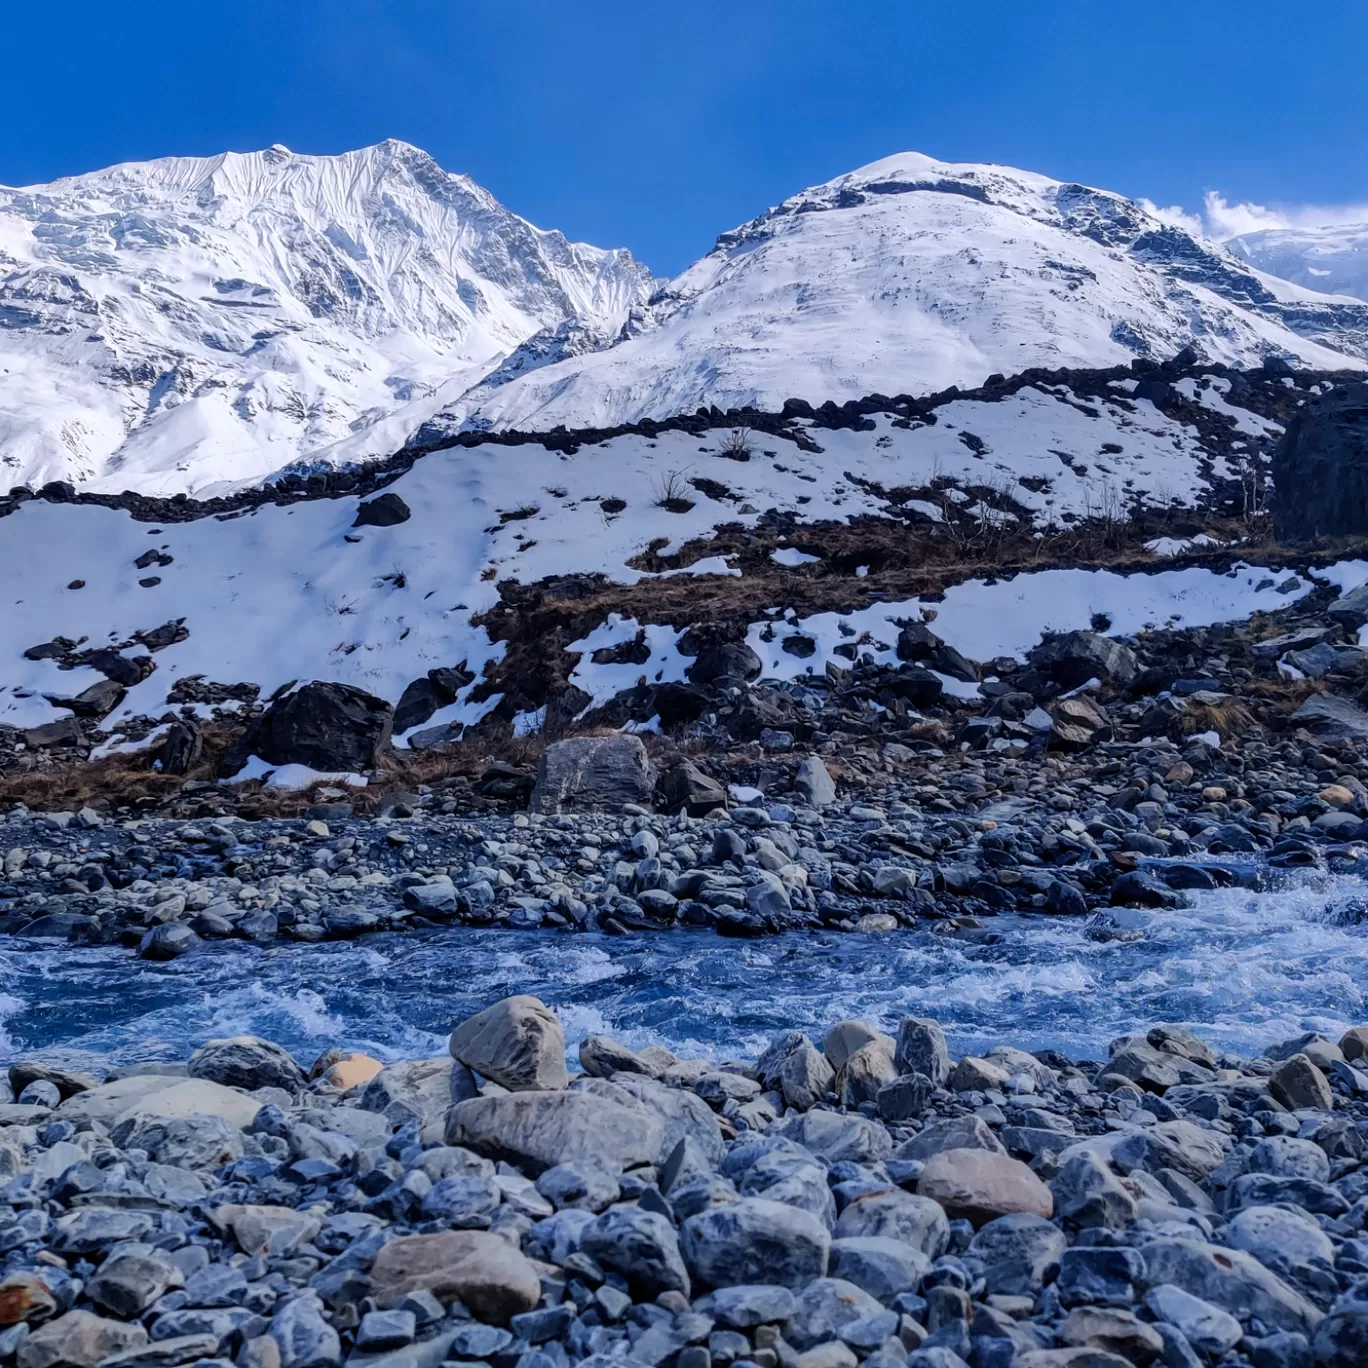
[(193, 322), (911, 275), (1333, 259)]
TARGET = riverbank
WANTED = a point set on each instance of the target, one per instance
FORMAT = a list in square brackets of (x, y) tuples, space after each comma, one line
[(847, 1196)]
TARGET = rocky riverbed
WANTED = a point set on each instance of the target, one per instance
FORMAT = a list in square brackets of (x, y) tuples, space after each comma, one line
[(846, 1198), (970, 839)]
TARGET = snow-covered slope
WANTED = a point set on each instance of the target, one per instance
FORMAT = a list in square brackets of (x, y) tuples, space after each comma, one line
[(273, 593), (194, 322), (1332, 259), (910, 275)]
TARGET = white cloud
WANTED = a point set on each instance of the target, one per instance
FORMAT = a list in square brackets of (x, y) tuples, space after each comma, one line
[(1175, 216), (1225, 220)]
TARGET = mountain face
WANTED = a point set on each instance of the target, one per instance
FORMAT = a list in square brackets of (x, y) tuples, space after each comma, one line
[(196, 325), (911, 275), (1331, 259), (184, 324)]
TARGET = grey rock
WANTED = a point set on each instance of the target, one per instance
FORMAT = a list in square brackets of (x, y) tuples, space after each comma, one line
[(836, 1138), (921, 1049), (246, 1062), (420, 1090), (882, 1266), (823, 1308), (304, 1337), (959, 1132), (755, 1241), (593, 772), (814, 782), (1207, 1328), (746, 1306), (898, 1215), (1089, 1194), (585, 1184), (538, 1130), (518, 1043), (640, 1245), (1018, 1253), (1231, 1279)]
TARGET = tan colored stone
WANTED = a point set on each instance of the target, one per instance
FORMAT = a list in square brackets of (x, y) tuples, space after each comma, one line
[(973, 1074), (1336, 795), (980, 1185), (482, 1271), (1112, 1329), (80, 1339), (1296, 1082), (352, 1070), (24, 1297)]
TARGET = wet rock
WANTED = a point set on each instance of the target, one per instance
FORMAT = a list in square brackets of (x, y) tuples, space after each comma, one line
[(517, 1043), (246, 1062)]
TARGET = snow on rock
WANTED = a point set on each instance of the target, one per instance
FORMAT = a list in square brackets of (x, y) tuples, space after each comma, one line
[(193, 323), (910, 275), (1007, 617)]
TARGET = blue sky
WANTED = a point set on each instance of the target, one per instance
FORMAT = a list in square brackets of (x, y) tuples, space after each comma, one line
[(655, 126)]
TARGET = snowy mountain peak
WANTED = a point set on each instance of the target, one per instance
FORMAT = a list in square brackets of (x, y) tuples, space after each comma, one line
[(910, 275), (193, 321)]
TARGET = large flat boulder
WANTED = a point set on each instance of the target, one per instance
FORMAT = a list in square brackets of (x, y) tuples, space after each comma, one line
[(160, 1096), (538, 1130), (604, 772)]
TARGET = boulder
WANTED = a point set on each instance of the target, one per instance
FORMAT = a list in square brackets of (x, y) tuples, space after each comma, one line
[(420, 1090), (1206, 1327), (25, 1297), (921, 1049), (160, 1097), (897, 1215), (1018, 1254), (805, 1077), (977, 1185), (1232, 1280), (484, 1272), (955, 1132), (1296, 1082), (1332, 718), (824, 1308), (814, 782), (877, 1264), (538, 1130), (1073, 658), (517, 1043), (605, 772), (246, 1062), (725, 662), (385, 510), (1320, 468), (684, 787), (79, 1339), (755, 1241), (334, 728), (640, 1245)]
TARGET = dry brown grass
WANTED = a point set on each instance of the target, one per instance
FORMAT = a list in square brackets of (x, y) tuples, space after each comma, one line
[(1228, 720)]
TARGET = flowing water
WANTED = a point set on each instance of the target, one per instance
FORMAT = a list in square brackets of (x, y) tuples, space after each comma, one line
[(1244, 969)]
